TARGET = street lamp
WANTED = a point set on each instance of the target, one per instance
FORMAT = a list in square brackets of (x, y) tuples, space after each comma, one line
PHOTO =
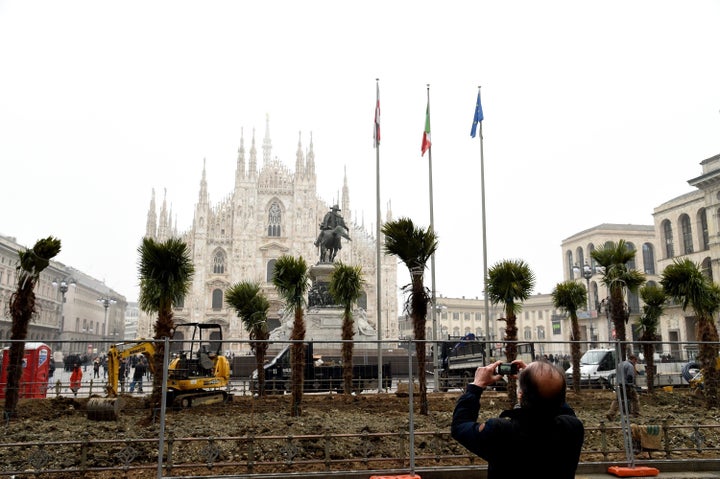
[(106, 302), (62, 285), (587, 272)]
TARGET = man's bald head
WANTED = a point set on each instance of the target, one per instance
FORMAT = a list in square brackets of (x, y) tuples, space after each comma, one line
[(542, 386)]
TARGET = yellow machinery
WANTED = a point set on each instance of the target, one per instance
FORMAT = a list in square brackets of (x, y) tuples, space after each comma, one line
[(196, 374)]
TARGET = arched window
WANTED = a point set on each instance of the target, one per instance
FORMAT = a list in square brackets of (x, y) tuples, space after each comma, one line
[(219, 262), (706, 268), (217, 299), (569, 264), (456, 331), (274, 217), (631, 247), (580, 257), (668, 239), (479, 332), (705, 235), (648, 258), (270, 269), (686, 232)]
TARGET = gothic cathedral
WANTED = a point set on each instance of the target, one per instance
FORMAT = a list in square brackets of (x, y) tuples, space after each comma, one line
[(271, 212)]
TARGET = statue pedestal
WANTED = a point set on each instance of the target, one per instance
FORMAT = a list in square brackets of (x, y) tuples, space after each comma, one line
[(324, 318)]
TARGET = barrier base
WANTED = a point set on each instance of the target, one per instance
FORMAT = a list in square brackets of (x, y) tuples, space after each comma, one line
[(638, 471), (401, 476)]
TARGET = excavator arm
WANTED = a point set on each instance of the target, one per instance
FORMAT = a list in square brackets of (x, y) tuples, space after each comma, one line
[(125, 350)]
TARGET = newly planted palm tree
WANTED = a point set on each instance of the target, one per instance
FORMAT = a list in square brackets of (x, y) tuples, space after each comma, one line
[(619, 279), (685, 283), (414, 246), (654, 299), (346, 287), (165, 272), (22, 306), (252, 306), (290, 278), (510, 282), (571, 296)]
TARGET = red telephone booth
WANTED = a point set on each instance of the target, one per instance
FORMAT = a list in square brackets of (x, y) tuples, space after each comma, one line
[(36, 370)]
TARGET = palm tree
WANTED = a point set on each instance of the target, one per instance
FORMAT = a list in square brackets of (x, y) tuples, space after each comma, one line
[(252, 306), (290, 278), (346, 286), (510, 281), (654, 299), (414, 246), (614, 258), (685, 283), (22, 307), (571, 296), (165, 272)]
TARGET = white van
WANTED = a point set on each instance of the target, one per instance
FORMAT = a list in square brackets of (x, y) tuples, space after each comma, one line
[(597, 369)]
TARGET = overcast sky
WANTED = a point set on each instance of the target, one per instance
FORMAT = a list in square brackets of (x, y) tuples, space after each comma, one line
[(595, 112)]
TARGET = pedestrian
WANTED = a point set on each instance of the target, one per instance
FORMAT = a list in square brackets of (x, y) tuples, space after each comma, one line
[(626, 370), (541, 435), (122, 373), (76, 379), (96, 368), (138, 375)]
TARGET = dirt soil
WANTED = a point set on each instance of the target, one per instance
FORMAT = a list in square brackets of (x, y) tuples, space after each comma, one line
[(64, 419)]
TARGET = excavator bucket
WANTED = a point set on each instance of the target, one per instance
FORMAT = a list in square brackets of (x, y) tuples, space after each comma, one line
[(103, 409)]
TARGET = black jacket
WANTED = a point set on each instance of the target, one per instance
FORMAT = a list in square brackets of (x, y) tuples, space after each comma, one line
[(520, 443)]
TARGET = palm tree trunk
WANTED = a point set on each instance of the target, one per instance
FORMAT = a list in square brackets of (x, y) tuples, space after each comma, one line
[(708, 335), (649, 352), (297, 356), (163, 329), (575, 353), (419, 306), (511, 351), (260, 350), (617, 310), (347, 351), (22, 306)]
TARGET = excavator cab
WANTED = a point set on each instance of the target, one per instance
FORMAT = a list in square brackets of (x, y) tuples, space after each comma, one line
[(196, 347)]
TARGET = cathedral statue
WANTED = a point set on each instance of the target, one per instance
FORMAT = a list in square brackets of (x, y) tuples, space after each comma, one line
[(332, 229)]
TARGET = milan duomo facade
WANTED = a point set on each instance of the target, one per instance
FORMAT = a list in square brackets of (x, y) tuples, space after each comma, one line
[(271, 212)]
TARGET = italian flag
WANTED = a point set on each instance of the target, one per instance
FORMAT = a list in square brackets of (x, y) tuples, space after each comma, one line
[(426, 144)]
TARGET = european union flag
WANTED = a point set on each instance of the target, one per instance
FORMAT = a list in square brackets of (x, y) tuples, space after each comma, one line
[(478, 117)]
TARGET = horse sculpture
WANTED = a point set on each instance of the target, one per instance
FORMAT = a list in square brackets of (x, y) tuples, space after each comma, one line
[(330, 243)]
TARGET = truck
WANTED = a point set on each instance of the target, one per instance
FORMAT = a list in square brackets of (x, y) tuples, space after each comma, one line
[(460, 356), (320, 375)]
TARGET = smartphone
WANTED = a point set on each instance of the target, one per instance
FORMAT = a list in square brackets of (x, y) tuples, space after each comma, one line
[(505, 369)]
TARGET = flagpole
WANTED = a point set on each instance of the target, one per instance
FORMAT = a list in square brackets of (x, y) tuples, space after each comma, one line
[(378, 264), (433, 318), (484, 234)]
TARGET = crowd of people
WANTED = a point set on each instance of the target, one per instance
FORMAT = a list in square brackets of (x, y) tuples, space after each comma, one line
[(134, 371)]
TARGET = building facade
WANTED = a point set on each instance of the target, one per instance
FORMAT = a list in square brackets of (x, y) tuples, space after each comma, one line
[(272, 211), (684, 227), (71, 316)]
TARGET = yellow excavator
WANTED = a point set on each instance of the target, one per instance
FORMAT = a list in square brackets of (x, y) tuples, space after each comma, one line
[(197, 373)]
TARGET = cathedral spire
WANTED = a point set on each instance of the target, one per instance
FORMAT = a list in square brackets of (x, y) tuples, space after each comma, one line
[(252, 167), (310, 166), (203, 199), (163, 226), (151, 224), (300, 160), (267, 144), (346, 197), (240, 168)]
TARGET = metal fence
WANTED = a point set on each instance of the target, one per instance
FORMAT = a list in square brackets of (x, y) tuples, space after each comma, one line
[(101, 449)]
